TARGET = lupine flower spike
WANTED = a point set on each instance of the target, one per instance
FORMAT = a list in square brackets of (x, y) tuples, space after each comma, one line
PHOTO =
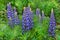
[(27, 21), (10, 14), (52, 25), (16, 19), (37, 11), (38, 14), (9, 10), (42, 17)]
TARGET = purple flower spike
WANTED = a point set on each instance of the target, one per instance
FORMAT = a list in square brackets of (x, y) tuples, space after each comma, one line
[(15, 19), (38, 15), (37, 11), (10, 14), (42, 17), (10, 22), (9, 10), (27, 22), (52, 25)]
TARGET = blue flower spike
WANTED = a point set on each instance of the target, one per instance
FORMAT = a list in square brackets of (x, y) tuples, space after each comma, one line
[(52, 25)]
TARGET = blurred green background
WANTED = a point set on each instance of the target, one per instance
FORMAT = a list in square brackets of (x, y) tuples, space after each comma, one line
[(38, 34)]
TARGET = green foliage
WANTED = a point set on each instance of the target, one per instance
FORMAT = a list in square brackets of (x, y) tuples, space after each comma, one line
[(39, 30), (19, 6), (58, 32), (46, 6), (2, 7)]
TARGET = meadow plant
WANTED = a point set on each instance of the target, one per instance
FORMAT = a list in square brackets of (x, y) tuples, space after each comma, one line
[(38, 14), (27, 22), (12, 15), (16, 19), (52, 25)]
